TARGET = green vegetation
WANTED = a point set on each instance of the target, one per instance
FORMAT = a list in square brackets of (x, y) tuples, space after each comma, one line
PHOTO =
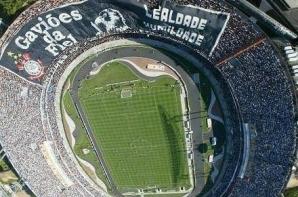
[(141, 136), (9, 10), (8, 177), (293, 192), (207, 165), (205, 98), (98, 96), (3, 166), (11, 7), (82, 141), (205, 89), (107, 76)]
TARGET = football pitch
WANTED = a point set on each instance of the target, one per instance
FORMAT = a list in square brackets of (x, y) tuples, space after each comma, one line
[(138, 126)]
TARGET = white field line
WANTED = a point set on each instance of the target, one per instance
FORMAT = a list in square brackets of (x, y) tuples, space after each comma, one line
[(124, 82), (184, 111), (92, 51)]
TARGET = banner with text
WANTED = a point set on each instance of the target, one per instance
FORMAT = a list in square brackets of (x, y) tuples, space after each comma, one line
[(43, 38)]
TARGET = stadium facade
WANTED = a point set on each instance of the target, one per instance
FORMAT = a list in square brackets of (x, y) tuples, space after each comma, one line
[(47, 41)]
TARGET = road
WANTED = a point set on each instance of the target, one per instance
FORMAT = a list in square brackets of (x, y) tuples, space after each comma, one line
[(193, 99)]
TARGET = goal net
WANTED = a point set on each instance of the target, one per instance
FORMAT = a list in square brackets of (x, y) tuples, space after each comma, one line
[(126, 93)]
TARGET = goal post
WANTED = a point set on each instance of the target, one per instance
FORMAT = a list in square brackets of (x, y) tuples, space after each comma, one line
[(126, 93)]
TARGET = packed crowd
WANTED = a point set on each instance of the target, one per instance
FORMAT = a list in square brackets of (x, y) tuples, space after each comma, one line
[(22, 135), (67, 163), (265, 98), (239, 32)]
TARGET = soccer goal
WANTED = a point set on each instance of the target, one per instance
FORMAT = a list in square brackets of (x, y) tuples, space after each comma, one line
[(126, 93)]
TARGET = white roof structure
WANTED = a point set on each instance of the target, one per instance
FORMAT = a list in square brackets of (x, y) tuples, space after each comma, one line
[(292, 3), (288, 48)]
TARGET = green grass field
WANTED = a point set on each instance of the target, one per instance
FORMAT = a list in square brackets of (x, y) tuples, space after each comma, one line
[(205, 89), (141, 136), (82, 141)]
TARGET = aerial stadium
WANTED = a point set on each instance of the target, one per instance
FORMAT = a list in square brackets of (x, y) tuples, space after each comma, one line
[(154, 98)]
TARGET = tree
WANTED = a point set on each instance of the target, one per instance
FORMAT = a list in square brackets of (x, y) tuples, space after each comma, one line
[(12, 6), (291, 192)]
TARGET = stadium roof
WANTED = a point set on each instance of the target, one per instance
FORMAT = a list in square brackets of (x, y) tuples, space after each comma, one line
[(292, 3)]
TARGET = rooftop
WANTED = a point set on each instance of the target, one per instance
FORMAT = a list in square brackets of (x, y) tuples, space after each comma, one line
[(292, 3)]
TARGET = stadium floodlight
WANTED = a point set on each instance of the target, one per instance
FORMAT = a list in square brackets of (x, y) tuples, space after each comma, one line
[(296, 74), (293, 59), (213, 141), (290, 51), (292, 55), (287, 48)]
